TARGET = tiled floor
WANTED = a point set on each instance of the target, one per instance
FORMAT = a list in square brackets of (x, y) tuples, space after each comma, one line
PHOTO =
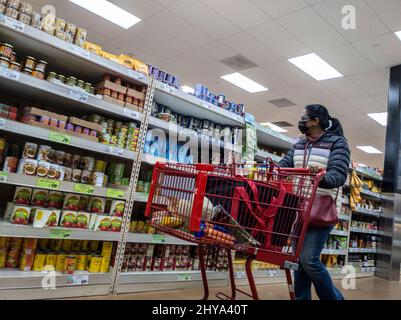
[(366, 289)]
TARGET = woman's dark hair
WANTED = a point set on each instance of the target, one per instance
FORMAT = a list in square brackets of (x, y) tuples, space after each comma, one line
[(319, 111)]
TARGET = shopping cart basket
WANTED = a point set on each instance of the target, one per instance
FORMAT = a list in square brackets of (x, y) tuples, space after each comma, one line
[(263, 212)]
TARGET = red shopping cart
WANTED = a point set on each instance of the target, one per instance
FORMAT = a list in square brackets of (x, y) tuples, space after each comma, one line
[(261, 212)]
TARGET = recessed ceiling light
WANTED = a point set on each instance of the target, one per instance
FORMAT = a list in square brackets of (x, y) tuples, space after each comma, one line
[(187, 89), (109, 11), (369, 149), (398, 34), (274, 127), (316, 67), (380, 117), (244, 83)]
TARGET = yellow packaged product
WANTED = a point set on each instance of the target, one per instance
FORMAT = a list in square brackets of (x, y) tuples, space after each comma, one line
[(51, 259), (82, 262), (94, 266), (39, 261), (141, 67), (84, 245), (92, 47), (104, 265), (110, 56), (61, 260), (107, 249)]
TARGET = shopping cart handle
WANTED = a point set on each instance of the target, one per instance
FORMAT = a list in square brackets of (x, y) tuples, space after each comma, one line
[(303, 171)]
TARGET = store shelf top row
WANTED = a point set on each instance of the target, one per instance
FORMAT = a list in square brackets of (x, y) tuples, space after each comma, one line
[(60, 54)]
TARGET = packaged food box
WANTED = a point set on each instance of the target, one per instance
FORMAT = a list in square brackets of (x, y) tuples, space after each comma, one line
[(39, 197), (103, 223), (97, 205), (83, 219), (92, 221), (20, 215), (43, 169), (71, 202), (83, 203), (22, 195), (27, 166), (116, 223), (85, 124), (55, 199), (107, 249), (68, 219), (9, 210), (92, 47), (46, 218), (117, 208), (112, 86), (30, 150)]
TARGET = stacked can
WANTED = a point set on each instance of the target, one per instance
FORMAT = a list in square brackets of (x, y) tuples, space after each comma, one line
[(133, 136), (116, 173), (122, 136)]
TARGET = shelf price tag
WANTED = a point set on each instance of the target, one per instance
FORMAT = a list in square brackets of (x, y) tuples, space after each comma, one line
[(2, 123), (10, 74), (207, 105), (240, 274), (80, 280), (3, 176), (13, 24), (60, 137), (84, 188), (79, 51), (158, 238), (136, 75), (131, 113), (114, 150), (115, 193), (184, 277), (79, 96), (48, 184), (56, 233)]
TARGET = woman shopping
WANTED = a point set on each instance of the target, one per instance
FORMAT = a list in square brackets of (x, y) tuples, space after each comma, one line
[(322, 147)]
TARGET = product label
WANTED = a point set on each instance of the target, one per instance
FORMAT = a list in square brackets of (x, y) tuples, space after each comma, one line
[(13, 24), (84, 188), (10, 74), (78, 280), (79, 51), (131, 113), (48, 184), (136, 75), (158, 238), (2, 123), (114, 150), (79, 96), (115, 193), (271, 273), (168, 88), (184, 277), (56, 233), (3, 176), (60, 137)]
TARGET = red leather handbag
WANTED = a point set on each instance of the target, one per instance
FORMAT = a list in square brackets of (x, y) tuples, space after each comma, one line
[(323, 212)]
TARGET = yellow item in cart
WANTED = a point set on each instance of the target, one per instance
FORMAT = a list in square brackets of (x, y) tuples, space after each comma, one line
[(92, 47)]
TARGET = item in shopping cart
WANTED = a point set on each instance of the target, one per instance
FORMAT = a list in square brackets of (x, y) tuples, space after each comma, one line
[(83, 220), (68, 219), (46, 218), (39, 197), (22, 195), (20, 215), (97, 205)]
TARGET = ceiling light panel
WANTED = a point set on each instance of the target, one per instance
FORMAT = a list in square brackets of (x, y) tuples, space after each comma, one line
[(380, 117), (244, 83), (369, 149)]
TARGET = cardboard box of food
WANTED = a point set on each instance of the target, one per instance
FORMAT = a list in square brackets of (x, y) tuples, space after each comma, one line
[(46, 218), (112, 86), (83, 219), (136, 94), (103, 223), (116, 223), (35, 111), (22, 195), (132, 106), (85, 124), (68, 219), (20, 215)]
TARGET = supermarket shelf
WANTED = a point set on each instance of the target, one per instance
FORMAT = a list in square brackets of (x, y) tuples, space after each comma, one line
[(170, 280), (262, 155), (190, 105), (369, 174), (272, 138), (155, 239), (371, 194), (339, 233), (334, 252), (361, 272), (60, 54), (64, 96), (68, 187), (344, 217), (360, 230), (44, 134), (368, 212), (362, 250)]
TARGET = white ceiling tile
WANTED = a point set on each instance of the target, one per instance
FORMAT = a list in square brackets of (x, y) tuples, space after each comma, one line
[(180, 29), (216, 51), (140, 8), (275, 37), (280, 8), (203, 18), (243, 13), (346, 59), (367, 23), (374, 82), (312, 2), (367, 105), (265, 78), (383, 51), (381, 99), (164, 3), (389, 11), (251, 49), (288, 72), (344, 88), (310, 28)]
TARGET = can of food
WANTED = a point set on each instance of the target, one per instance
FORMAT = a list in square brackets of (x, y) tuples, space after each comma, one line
[(93, 245), (100, 166), (15, 66), (39, 261), (25, 262), (70, 264), (41, 66), (107, 248), (30, 62), (67, 245), (82, 261), (105, 264), (25, 18), (10, 164), (51, 259), (85, 245), (61, 261), (36, 73), (11, 12), (4, 62), (95, 262)]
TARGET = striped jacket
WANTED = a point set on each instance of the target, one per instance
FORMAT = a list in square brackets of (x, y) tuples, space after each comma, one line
[(331, 152)]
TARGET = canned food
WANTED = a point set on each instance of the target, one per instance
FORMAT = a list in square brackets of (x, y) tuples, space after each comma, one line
[(25, 8), (107, 248), (40, 75), (30, 62), (4, 62), (84, 245), (6, 50), (67, 245), (27, 71), (25, 18), (39, 261), (82, 262), (70, 264), (95, 262), (51, 259), (11, 12), (15, 66), (105, 265), (61, 261), (60, 24), (94, 245)]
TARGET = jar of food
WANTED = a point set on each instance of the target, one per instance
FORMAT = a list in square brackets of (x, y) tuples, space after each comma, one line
[(114, 94), (71, 81), (39, 74), (80, 84), (12, 13), (3, 2), (15, 66), (71, 29), (35, 20), (51, 76), (4, 62), (30, 62), (61, 35), (6, 50), (80, 37), (41, 66), (27, 71), (25, 18), (13, 57), (118, 81), (121, 96), (15, 4), (2, 8), (60, 24), (25, 8), (107, 77), (88, 87), (61, 78)]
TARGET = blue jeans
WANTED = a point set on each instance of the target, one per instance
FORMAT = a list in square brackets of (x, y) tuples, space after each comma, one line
[(312, 270)]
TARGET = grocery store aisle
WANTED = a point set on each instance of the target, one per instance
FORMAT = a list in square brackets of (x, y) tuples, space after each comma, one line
[(366, 289)]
